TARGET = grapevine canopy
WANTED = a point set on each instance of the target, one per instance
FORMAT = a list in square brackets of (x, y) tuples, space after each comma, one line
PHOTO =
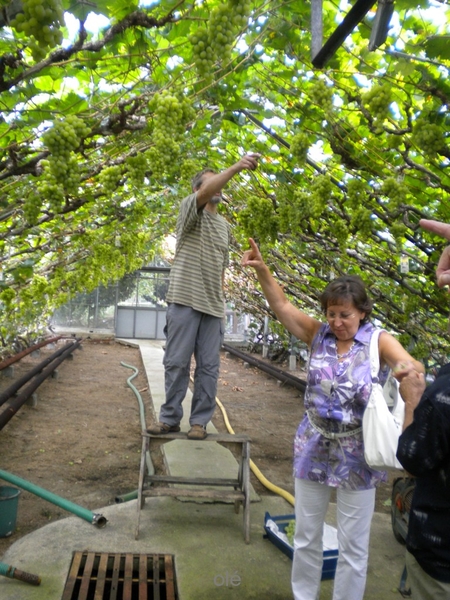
[(109, 107)]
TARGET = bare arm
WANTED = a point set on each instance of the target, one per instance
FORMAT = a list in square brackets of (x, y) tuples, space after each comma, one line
[(411, 389), (297, 322), (213, 184), (396, 357)]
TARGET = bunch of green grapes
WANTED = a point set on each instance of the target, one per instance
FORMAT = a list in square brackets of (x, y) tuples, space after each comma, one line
[(202, 53), (290, 531), (167, 119), (136, 167), (32, 207), (394, 190), (356, 192), (378, 100), (302, 203), (362, 221), (393, 142), (188, 169), (321, 94), (225, 22), (171, 115), (340, 232), (398, 231), (164, 161), (320, 194), (65, 136), (291, 211), (41, 20), (428, 137), (51, 192), (64, 170), (300, 146), (221, 34), (172, 112), (214, 42), (61, 170), (7, 296), (258, 218), (110, 178)]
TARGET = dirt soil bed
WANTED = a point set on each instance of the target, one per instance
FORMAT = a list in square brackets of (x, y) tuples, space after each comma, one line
[(81, 440)]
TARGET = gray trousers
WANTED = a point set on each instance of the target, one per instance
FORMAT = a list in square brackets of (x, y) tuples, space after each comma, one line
[(191, 333)]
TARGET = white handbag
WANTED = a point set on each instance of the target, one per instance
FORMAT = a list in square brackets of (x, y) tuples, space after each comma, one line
[(382, 425)]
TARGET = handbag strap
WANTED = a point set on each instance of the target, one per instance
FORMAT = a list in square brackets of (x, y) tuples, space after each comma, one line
[(374, 356)]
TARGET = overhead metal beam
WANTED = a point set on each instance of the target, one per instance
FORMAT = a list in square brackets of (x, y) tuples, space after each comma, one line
[(355, 15), (380, 26)]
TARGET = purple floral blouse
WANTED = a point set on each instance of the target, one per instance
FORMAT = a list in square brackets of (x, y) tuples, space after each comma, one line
[(336, 396)]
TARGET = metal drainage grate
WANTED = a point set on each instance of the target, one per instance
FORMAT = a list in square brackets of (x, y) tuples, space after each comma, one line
[(103, 576)]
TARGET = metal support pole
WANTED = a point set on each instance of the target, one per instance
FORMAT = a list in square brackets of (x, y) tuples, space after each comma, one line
[(316, 27)]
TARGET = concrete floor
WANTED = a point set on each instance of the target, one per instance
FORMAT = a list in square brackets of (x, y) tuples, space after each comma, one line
[(206, 539)]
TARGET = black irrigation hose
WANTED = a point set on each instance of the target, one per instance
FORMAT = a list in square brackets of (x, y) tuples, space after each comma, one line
[(279, 374)]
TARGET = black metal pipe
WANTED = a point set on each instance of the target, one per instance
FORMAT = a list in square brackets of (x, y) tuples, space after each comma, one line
[(14, 387), (11, 410), (277, 373)]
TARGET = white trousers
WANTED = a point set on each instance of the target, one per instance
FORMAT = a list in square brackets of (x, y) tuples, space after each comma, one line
[(354, 514)]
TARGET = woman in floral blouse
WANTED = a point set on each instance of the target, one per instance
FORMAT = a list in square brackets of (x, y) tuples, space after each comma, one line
[(328, 446)]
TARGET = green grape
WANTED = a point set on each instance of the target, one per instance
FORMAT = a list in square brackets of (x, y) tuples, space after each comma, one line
[(202, 53), (428, 137), (300, 146), (340, 232), (188, 169), (394, 190), (110, 178), (290, 531), (356, 192), (7, 296), (322, 95), (320, 193), (32, 208), (51, 192), (136, 168), (65, 135), (362, 221), (378, 100), (61, 170), (41, 21), (213, 44), (398, 231), (171, 114), (258, 218), (303, 205)]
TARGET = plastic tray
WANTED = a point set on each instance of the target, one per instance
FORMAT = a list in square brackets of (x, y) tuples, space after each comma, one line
[(330, 556)]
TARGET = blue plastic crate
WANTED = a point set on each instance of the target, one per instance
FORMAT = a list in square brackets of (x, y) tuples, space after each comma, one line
[(329, 556)]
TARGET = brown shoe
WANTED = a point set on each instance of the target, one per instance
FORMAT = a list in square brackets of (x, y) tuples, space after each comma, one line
[(197, 432), (159, 428)]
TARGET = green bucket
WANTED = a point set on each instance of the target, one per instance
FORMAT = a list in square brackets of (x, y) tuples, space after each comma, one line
[(9, 499)]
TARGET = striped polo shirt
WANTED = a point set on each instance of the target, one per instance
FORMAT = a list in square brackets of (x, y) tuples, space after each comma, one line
[(201, 255)]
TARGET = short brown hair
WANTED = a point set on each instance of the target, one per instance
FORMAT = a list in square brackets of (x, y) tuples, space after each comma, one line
[(347, 288), (197, 180)]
